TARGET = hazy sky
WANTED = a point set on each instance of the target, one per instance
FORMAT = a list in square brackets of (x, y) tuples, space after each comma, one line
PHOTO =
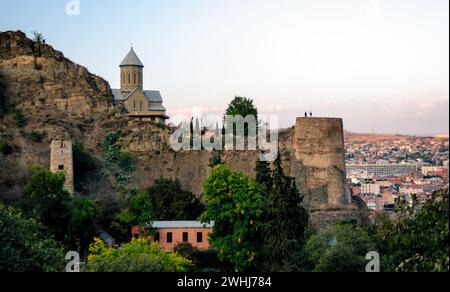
[(382, 65)]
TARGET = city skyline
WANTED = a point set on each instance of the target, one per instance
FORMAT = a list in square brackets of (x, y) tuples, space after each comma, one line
[(381, 65)]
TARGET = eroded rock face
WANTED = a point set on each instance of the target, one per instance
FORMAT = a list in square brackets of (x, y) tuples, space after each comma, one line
[(58, 98), (41, 81)]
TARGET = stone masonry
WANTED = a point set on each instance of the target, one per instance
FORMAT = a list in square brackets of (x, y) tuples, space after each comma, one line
[(61, 160), (319, 169)]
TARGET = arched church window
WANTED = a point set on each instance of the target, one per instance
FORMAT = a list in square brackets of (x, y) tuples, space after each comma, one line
[(134, 78), (129, 78)]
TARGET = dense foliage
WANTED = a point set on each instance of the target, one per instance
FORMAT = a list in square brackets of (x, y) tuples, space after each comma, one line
[(82, 222), (70, 220), (170, 202), (26, 245), (242, 106), (339, 248), (235, 203), (117, 163), (418, 241), (46, 199), (137, 256), (84, 166), (285, 219)]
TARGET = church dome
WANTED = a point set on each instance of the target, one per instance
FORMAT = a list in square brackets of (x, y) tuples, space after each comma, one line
[(131, 60)]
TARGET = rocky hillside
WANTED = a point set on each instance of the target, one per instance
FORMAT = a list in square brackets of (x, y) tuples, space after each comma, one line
[(45, 96), (50, 97)]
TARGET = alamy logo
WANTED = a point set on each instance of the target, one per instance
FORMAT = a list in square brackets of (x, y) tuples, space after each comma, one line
[(73, 266), (73, 8), (374, 265), (232, 133)]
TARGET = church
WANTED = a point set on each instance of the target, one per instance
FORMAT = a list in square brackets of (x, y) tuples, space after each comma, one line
[(144, 105)]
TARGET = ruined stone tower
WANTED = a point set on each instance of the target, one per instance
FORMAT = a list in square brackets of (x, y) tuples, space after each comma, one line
[(61, 160), (319, 169)]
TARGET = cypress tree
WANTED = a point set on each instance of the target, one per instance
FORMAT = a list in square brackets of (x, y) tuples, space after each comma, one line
[(264, 174), (285, 220)]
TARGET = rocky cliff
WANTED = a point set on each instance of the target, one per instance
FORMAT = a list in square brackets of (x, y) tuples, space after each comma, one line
[(55, 97), (60, 100)]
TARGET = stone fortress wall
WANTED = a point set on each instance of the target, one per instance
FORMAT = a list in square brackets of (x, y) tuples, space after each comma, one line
[(312, 152)]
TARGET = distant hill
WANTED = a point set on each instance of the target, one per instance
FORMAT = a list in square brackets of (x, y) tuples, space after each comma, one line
[(351, 136)]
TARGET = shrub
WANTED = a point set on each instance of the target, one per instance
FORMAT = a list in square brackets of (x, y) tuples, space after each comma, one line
[(139, 255), (20, 118), (37, 136)]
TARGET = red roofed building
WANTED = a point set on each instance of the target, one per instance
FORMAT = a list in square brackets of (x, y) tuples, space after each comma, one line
[(171, 233)]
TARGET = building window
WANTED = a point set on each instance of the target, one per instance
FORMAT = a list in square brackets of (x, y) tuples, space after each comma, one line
[(61, 167), (129, 78), (199, 237), (134, 78), (157, 237), (169, 237), (185, 237), (134, 104)]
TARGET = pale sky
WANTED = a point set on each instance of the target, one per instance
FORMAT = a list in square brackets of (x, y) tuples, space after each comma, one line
[(382, 65)]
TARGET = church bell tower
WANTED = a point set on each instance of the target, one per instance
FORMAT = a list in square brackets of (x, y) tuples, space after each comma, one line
[(131, 73)]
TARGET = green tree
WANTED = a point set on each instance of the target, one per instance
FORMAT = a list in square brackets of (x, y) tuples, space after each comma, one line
[(338, 248), (171, 202), (82, 223), (418, 240), (235, 203), (142, 208), (120, 227), (46, 198), (38, 37), (139, 255), (264, 174), (26, 246), (84, 166), (242, 106), (39, 41), (285, 220)]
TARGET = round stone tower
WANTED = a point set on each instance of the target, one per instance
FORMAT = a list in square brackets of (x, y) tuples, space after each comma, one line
[(131, 73)]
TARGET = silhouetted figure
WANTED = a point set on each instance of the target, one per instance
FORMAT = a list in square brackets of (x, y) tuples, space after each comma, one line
[(306, 114), (311, 114)]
